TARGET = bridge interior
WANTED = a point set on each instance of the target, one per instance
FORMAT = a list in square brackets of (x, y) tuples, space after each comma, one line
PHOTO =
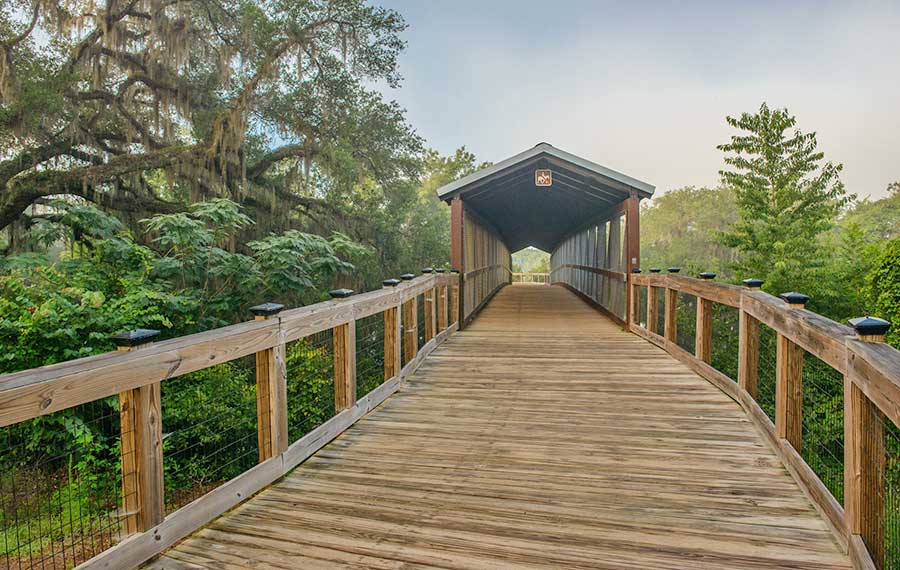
[(542, 436)]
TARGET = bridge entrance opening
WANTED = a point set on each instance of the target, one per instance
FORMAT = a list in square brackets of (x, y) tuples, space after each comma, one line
[(584, 214)]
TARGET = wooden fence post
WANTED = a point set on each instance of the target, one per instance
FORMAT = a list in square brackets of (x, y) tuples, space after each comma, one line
[(653, 307), (442, 308), (671, 317), (344, 338), (748, 346), (864, 455), (703, 330), (429, 309), (140, 416), (392, 339), (271, 392), (634, 298), (789, 382), (410, 325)]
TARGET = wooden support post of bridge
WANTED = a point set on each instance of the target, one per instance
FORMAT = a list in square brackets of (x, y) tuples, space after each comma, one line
[(748, 346), (632, 252), (748, 353), (703, 331), (864, 455), (454, 300), (457, 257), (344, 366), (429, 314), (392, 342), (410, 330), (789, 392), (271, 392), (652, 308), (441, 307), (671, 324), (140, 416), (344, 342)]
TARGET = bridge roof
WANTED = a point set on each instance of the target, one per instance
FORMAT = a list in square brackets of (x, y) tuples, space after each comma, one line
[(506, 195)]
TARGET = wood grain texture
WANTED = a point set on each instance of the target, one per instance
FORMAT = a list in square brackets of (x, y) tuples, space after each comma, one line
[(541, 437), (789, 392), (748, 353), (344, 338), (703, 330)]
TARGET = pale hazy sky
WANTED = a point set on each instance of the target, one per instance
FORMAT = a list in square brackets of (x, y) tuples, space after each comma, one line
[(643, 87)]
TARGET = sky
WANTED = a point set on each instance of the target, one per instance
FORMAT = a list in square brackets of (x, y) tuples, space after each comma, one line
[(644, 87)]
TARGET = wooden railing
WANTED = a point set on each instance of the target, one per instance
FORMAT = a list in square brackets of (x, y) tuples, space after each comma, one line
[(521, 277), (137, 374), (861, 501)]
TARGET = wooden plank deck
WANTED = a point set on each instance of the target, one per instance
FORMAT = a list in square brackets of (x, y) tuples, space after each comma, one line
[(541, 437)]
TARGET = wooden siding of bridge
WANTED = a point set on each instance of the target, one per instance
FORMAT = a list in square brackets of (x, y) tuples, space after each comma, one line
[(541, 437)]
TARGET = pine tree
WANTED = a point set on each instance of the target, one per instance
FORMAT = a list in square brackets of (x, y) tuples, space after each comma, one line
[(787, 195)]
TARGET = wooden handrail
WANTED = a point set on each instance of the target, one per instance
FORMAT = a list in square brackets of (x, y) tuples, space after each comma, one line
[(871, 373), (136, 375)]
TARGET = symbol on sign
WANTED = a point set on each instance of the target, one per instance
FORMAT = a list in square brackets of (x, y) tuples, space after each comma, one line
[(543, 178)]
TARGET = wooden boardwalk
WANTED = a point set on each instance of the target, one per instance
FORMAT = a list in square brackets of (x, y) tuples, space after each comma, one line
[(543, 436)]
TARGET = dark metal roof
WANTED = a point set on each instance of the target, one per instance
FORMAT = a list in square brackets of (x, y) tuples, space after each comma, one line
[(524, 214)]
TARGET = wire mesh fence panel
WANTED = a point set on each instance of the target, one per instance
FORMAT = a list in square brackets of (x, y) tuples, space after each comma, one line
[(642, 306), (369, 354), (420, 320), (686, 315), (310, 383), (891, 499), (61, 487), (661, 311), (209, 429), (765, 383), (725, 334), (823, 423)]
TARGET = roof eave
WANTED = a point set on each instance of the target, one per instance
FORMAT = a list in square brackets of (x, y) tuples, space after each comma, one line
[(448, 191)]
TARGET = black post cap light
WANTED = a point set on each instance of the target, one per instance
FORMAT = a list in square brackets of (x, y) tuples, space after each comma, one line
[(753, 283), (266, 309), (390, 282), (134, 338), (870, 328), (674, 269), (707, 275), (407, 277), (635, 269), (454, 270), (795, 300), (427, 270), (340, 293), (655, 270), (440, 270)]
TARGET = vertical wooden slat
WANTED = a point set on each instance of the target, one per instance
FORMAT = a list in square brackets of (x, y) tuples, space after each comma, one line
[(410, 336), (454, 301), (344, 366), (652, 308), (864, 470), (140, 417), (671, 322), (703, 332), (748, 353), (392, 342), (789, 392), (271, 402), (441, 307), (634, 307), (142, 464), (429, 314)]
